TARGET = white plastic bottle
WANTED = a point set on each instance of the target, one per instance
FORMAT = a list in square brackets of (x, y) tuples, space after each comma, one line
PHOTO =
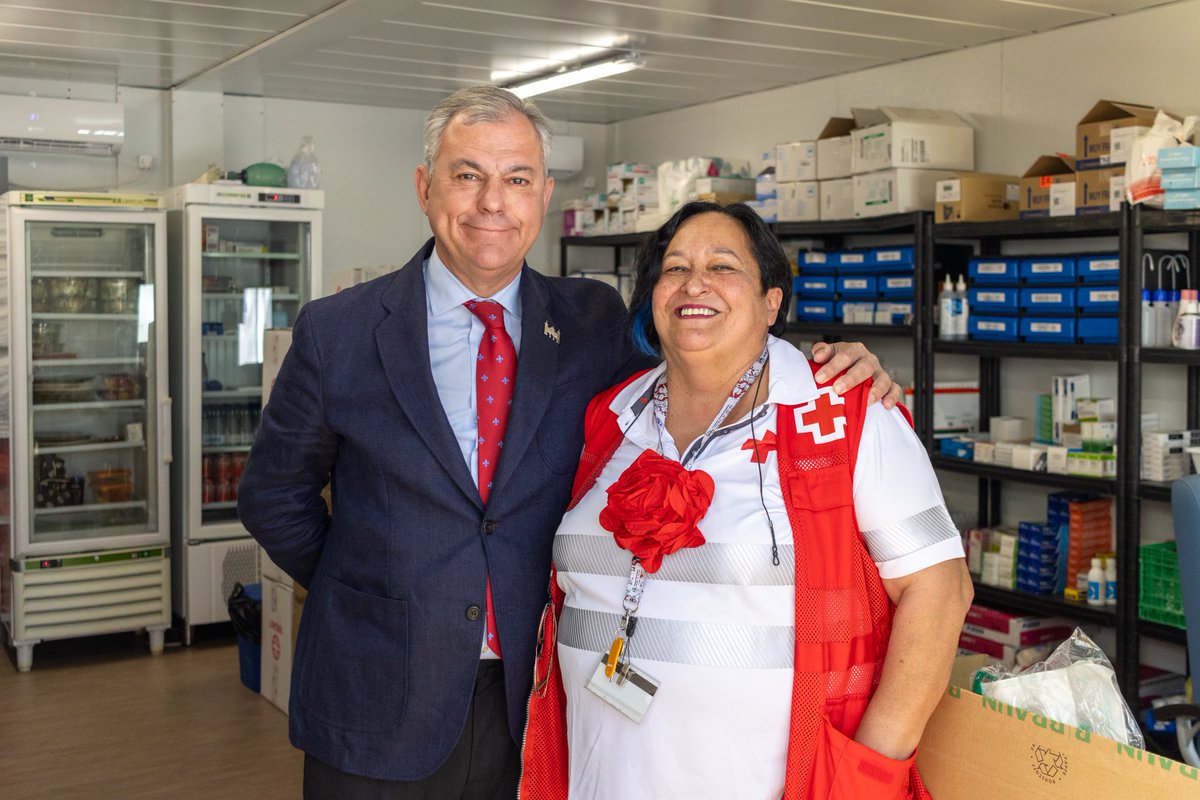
[(1110, 582), (964, 308), (1186, 332), (1096, 584), (947, 312)]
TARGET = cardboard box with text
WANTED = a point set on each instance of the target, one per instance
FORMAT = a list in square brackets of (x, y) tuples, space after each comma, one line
[(1044, 188), (977, 197)]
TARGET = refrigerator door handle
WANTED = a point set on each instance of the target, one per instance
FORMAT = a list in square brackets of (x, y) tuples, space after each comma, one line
[(164, 428)]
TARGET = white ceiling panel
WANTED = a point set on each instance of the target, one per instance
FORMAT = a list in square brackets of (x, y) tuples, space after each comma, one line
[(411, 53)]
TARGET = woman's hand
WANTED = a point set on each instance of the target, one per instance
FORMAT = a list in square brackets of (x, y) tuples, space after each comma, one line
[(859, 364)]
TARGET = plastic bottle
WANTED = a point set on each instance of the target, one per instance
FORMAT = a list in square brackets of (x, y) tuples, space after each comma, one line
[(1096, 584), (1186, 332), (947, 312), (1148, 318), (964, 308), (1110, 581), (1162, 313)]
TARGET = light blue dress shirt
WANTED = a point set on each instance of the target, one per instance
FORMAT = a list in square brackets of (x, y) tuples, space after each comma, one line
[(454, 336)]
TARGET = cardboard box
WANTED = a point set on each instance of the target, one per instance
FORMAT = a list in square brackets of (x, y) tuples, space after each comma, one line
[(987, 750), (892, 137), (837, 198), (798, 202), (977, 197), (1093, 188), (1092, 134), (895, 191), (1039, 197), (796, 161), (744, 187), (277, 643), (835, 148), (1120, 142)]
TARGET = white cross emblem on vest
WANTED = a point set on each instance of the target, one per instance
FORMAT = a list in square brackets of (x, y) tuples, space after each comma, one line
[(824, 416)]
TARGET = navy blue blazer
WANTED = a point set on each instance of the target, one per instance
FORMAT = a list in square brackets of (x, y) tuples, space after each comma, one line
[(389, 640)]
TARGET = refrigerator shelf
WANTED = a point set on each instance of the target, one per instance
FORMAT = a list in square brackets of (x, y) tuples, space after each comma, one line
[(86, 362), (219, 505), (223, 448), (238, 296), (233, 394), (90, 509), (83, 316), (91, 404), (266, 256), (87, 448), (69, 271)]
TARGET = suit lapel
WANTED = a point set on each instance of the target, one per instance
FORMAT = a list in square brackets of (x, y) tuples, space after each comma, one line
[(403, 341), (537, 368)]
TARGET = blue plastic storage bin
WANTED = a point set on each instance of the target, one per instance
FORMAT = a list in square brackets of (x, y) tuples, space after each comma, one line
[(892, 258), (896, 285), (1103, 267), (1098, 330), (994, 298), (857, 285), (1099, 299), (1048, 269), (815, 310), (1048, 299), (1048, 329), (815, 286), (817, 261), (982, 326), (994, 270)]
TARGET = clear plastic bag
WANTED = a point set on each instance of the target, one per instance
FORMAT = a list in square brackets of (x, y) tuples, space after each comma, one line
[(1143, 178), (304, 172), (1075, 685)]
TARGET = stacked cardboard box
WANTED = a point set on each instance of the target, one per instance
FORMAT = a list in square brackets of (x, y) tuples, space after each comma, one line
[(977, 197), (899, 155)]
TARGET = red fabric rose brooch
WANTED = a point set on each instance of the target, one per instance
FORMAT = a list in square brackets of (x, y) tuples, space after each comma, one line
[(654, 507)]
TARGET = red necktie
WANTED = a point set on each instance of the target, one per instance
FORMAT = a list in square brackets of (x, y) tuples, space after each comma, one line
[(495, 376)]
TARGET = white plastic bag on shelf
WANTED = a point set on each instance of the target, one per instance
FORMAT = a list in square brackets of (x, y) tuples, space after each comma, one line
[(1075, 685), (1143, 178), (304, 172)]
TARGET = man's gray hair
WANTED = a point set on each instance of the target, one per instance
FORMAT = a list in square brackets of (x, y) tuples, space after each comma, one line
[(483, 104)]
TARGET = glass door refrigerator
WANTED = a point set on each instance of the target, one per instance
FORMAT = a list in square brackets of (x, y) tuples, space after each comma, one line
[(243, 259), (85, 416)]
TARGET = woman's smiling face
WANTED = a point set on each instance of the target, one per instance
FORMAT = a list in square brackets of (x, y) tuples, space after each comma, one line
[(709, 297)]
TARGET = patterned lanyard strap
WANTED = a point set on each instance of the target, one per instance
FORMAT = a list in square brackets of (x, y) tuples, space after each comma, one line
[(739, 390)]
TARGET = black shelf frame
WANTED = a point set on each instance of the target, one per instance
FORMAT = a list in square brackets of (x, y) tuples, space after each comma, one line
[(835, 330), (1080, 483), (1155, 490), (1074, 352), (1024, 602)]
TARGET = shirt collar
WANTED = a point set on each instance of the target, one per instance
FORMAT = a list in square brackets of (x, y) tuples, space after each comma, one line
[(791, 383), (445, 292)]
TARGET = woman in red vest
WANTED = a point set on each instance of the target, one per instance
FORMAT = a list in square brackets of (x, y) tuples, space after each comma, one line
[(759, 590)]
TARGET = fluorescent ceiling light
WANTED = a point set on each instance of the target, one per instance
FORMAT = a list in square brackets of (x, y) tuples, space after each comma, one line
[(583, 74)]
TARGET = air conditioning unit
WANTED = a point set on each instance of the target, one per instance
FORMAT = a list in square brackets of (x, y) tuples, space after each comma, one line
[(71, 127), (566, 157)]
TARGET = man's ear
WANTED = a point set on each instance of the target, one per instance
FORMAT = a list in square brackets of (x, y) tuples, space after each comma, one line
[(421, 180)]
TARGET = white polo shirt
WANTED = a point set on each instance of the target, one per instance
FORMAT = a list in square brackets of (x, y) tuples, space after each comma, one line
[(715, 626)]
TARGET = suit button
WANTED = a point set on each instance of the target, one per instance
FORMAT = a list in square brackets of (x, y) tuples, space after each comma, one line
[(489, 526), (473, 613)]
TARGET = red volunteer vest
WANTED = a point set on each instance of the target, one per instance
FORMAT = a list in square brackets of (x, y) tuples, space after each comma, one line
[(843, 615)]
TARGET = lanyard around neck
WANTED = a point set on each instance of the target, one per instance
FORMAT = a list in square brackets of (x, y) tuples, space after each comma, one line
[(739, 390)]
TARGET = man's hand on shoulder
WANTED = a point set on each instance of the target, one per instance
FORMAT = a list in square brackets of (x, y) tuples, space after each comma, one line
[(859, 363)]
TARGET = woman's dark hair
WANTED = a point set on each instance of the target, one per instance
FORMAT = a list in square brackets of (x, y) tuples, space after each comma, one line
[(773, 266)]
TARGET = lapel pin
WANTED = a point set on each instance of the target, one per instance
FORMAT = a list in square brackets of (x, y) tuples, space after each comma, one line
[(551, 332)]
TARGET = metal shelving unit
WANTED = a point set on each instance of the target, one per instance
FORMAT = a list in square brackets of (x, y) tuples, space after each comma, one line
[(1129, 227)]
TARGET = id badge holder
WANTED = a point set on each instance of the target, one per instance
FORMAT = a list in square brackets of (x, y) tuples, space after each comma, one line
[(628, 690)]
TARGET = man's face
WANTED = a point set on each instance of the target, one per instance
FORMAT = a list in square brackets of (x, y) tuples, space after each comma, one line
[(486, 199)]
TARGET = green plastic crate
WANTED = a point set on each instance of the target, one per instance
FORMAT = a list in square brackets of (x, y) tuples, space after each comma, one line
[(1159, 598)]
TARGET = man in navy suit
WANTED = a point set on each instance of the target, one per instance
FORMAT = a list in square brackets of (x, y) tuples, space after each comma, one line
[(397, 691)]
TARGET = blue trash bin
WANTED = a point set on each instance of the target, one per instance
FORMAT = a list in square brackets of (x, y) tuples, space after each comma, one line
[(245, 611)]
